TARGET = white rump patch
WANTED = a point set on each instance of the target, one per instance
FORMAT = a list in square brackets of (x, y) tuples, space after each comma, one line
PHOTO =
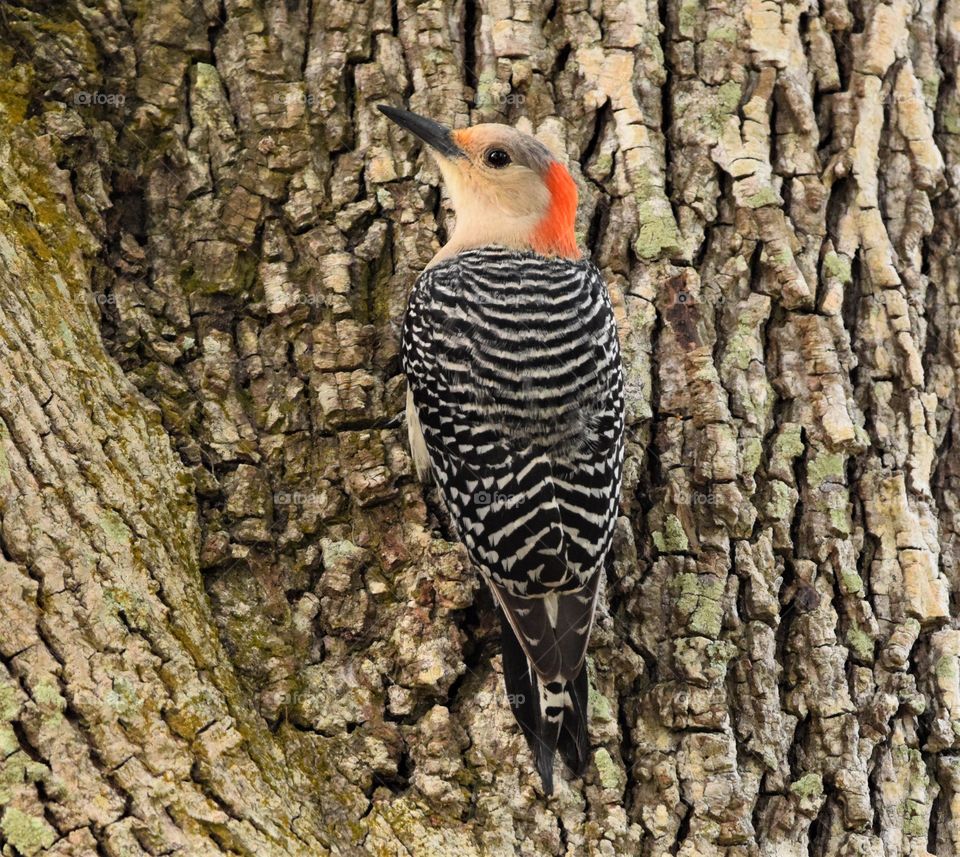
[(418, 446)]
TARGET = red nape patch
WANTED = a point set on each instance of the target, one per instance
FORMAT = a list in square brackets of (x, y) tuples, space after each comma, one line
[(554, 234)]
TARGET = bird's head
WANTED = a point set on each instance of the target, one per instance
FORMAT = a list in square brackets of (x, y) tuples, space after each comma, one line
[(507, 188)]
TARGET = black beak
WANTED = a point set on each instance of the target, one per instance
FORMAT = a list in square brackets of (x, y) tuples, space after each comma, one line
[(435, 135)]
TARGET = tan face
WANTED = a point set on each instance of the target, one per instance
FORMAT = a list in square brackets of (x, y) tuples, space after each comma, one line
[(506, 187), (496, 186), (500, 174)]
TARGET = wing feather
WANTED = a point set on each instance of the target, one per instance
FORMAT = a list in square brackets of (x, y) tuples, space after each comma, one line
[(534, 510)]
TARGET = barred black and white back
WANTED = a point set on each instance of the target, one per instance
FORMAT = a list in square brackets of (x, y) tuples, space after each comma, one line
[(516, 384)]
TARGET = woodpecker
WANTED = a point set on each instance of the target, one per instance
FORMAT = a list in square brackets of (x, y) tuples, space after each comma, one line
[(515, 404)]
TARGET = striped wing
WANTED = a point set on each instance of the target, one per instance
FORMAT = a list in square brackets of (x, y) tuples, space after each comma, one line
[(514, 368)]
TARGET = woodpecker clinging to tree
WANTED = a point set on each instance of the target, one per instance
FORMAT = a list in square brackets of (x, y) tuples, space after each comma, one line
[(515, 403)]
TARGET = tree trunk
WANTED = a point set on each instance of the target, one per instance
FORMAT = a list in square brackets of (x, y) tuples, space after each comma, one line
[(233, 623)]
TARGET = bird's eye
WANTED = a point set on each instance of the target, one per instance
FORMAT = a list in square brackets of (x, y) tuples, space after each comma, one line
[(497, 158)]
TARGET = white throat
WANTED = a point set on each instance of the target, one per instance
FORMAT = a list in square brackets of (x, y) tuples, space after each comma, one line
[(504, 213)]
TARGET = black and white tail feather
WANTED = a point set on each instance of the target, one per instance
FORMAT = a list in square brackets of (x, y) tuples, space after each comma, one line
[(551, 705), (516, 406)]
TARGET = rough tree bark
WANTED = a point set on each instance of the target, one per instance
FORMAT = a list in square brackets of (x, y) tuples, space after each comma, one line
[(232, 623)]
